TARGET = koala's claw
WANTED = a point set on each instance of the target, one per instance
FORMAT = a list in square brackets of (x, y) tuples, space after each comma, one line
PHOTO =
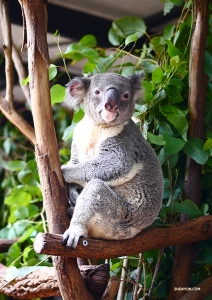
[(71, 237)]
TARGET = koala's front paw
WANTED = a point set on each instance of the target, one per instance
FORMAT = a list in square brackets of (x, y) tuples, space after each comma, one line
[(71, 236)]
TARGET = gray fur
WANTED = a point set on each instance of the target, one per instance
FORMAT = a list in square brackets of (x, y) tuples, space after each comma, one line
[(118, 172)]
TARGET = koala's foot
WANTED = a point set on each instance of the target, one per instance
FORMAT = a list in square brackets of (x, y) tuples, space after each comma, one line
[(72, 234)]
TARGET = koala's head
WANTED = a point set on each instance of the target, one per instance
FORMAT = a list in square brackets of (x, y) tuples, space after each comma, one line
[(108, 98)]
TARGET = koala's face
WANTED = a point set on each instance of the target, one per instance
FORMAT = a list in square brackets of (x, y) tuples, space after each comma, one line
[(110, 99)]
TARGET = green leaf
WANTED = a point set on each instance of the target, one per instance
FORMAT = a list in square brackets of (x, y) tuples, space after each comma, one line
[(177, 2), (155, 139), (173, 145), (208, 65), (168, 31), (176, 81), (176, 117), (25, 81), (57, 93), (8, 233), (188, 207), (113, 37), (88, 40), (22, 212), (90, 54), (172, 50), (78, 115), (194, 149), (16, 165), (18, 197), (33, 210), (173, 93), (157, 75), (129, 25), (175, 61), (208, 144), (167, 7), (165, 128), (88, 68), (131, 38), (27, 177), (14, 250), (52, 70), (68, 132)]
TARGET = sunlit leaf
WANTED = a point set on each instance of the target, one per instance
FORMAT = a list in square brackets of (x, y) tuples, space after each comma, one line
[(52, 70), (57, 93), (88, 40)]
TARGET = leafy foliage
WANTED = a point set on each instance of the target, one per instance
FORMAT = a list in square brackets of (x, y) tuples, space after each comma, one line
[(162, 119)]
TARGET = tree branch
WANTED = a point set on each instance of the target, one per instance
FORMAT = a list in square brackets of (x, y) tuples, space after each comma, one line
[(43, 283), (152, 238), (7, 47)]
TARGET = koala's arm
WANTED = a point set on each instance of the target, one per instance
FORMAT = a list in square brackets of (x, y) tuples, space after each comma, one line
[(114, 165)]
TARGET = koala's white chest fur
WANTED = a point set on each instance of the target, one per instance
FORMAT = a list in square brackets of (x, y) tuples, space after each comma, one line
[(88, 137)]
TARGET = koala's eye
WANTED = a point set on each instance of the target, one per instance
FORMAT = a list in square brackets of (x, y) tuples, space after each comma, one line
[(126, 96), (97, 92)]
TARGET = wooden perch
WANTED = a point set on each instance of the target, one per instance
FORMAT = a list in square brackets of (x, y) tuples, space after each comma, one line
[(152, 238), (43, 283)]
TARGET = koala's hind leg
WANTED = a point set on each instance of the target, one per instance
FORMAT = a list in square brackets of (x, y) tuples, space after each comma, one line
[(100, 213)]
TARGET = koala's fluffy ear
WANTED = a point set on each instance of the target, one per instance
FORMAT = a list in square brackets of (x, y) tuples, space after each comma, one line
[(135, 80), (75, 92)]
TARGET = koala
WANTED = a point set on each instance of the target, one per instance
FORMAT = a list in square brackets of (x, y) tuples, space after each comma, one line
[(114, 178)]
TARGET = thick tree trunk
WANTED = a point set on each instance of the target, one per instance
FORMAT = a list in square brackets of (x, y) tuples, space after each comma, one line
[(184, 254), (54, 192)]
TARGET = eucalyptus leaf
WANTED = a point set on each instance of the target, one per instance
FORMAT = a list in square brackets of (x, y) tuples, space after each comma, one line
[(129, 25), (52, 70), (157, 75), (188, 207), (194, 149), (131, 38), (155, 139), (57, 93), (88, 40), (90, 54), (173, 145)]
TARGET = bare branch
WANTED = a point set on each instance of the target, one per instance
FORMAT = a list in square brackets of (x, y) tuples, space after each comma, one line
[(124, 272), (151, 238), (40, 284), (7, 47)]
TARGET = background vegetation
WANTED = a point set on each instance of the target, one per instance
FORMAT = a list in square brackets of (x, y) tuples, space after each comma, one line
[(163, 120)]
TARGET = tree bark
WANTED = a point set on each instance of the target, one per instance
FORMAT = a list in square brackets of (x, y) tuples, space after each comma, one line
[(43, 283), (54, 192), (184, 254), (152, 238)]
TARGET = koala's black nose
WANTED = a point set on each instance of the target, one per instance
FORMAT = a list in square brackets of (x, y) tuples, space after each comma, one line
[(111, 100)]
